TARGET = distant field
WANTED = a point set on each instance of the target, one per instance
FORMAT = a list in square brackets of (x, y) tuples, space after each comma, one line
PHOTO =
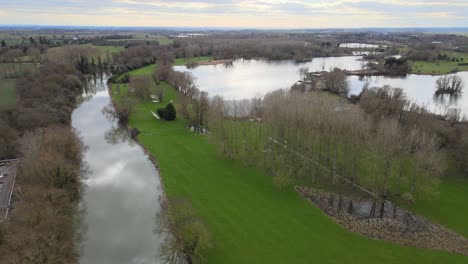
[(111, 49), (182, 61), (441, 67), (7, 69), (165, 41), (7, 92)]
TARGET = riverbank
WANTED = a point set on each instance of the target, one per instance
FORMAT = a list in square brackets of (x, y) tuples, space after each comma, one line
[(251, 220), (209, 62)]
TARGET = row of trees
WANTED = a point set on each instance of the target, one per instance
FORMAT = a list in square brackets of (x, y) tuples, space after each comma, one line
[(41, 228), (314, 137), (247, 46)]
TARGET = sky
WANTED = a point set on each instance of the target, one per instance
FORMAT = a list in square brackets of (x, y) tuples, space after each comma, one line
[(237, 14)]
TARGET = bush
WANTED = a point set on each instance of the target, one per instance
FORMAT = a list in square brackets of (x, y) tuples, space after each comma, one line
[(168, 113)]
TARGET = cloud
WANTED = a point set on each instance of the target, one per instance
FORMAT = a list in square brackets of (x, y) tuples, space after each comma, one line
[(243, 13)]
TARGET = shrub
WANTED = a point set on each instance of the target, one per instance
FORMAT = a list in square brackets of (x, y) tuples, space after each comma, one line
[(168, 113)]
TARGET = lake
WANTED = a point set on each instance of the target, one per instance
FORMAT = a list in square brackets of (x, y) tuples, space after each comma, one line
[(249, 78), (122, 191)]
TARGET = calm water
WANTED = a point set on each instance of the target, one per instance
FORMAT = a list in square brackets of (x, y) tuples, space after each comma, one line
[(122, 191), (419, 89), (249, 78)]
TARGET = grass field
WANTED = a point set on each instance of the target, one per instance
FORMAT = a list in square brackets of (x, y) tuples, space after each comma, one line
[(449, 208), (7, 92), (251, 220), (441, 67), (165, 41), (182, 61), (148, 70), (110, 49)]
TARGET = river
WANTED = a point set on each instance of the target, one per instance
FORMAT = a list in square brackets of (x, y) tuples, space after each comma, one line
[(122, 190), (248, 78)]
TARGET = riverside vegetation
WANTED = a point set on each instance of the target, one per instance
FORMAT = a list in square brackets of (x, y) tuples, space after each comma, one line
[(231, 174)]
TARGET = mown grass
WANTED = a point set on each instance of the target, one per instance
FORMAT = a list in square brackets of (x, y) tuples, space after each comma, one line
[(441, 66), (251, 220), (7, 92), (449, 207)]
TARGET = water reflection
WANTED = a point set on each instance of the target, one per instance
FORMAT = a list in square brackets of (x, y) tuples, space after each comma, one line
[(252, 78), (418, 88), (118, 134), (122, 191)]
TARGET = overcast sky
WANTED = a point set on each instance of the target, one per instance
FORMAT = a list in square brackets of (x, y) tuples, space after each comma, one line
[(230, 13)]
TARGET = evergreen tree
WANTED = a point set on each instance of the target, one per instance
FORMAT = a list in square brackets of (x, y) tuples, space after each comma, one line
[(3, 44), (170, 112)]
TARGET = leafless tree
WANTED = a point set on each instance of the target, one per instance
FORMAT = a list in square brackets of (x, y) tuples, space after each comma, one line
[(141, 85), (449, 85), (186, 235), (336, 81)]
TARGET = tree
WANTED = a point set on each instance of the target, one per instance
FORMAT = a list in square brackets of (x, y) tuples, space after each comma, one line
[(3, 43), (449, 85), (34, 54), (303, 72), (186, 236), (162, 73), (200, 104), (11, 56), (336, 81), (168, 113), (122, 111), (141, 86)]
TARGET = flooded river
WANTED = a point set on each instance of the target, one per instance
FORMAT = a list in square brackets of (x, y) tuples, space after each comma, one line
[(122, 190)]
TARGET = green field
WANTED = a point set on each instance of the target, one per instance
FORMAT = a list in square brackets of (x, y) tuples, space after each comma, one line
[(182, 61), (148, 70), (111, 49), (7, 92), (251, 220), (449, 208), (442, 66), (165, 41)]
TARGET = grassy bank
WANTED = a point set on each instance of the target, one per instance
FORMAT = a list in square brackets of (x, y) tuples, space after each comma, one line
[(441, 66), (252, 221)]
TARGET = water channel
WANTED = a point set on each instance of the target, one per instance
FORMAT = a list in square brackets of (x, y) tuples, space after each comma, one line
[(122, 189)]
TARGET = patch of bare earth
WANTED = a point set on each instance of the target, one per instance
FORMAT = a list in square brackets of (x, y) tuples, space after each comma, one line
[(385, 221)]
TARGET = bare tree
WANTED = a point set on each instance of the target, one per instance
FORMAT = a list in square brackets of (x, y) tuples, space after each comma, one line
[(303, 72), (449, 85), (336, 81), (186, 236), (141, 85)]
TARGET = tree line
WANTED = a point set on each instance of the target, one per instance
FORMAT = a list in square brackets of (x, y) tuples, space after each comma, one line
[(41, 227)]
